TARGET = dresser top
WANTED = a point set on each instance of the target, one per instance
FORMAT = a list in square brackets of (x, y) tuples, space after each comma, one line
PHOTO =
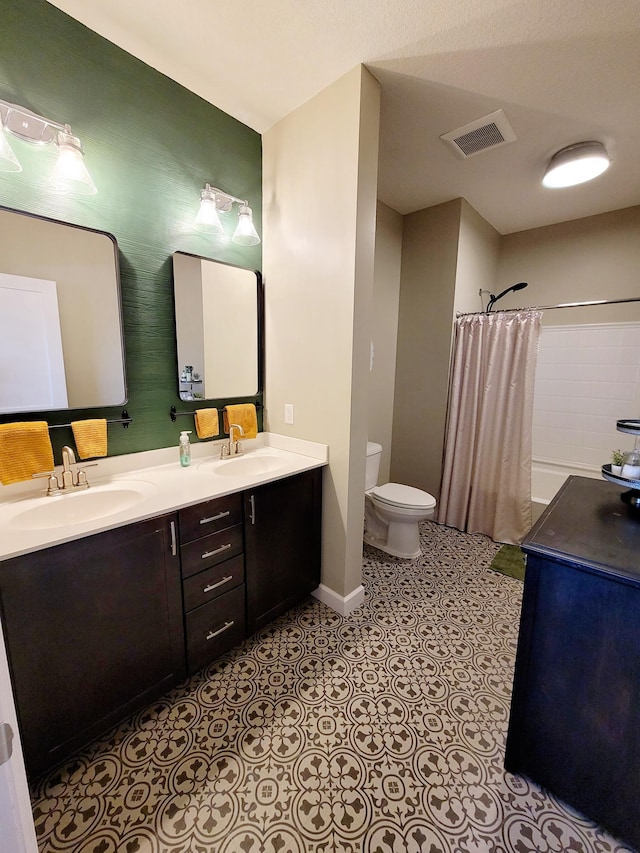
[(588, 524)]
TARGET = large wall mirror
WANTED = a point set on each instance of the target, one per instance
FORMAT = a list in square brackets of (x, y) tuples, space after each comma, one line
[(61, 342), (218, 328)]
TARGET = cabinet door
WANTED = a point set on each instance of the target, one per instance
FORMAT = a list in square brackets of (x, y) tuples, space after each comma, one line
[(94, 631), (282, 545), (575, 720)]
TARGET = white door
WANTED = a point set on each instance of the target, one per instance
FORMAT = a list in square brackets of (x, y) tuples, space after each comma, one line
[(32, 376), (17, 834)]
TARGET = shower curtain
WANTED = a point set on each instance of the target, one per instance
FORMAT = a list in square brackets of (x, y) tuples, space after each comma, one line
[(486, 479)]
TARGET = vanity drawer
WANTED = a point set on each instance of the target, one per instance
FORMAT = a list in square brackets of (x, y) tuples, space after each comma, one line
[(210, 516), (210, 550), (205, 586), (214, 628)]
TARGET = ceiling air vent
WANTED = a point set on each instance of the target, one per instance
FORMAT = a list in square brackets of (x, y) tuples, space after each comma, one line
[(480, 135)]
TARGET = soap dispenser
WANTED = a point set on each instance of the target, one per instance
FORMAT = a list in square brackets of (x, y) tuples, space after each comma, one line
[(185, 448)]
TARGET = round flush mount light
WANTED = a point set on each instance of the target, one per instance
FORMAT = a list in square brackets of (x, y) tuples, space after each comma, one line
[(576, 164)]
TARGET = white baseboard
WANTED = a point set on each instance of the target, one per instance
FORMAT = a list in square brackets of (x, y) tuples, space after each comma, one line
[(341, 604)]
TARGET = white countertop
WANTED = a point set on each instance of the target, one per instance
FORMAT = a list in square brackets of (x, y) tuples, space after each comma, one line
[(150, 483)]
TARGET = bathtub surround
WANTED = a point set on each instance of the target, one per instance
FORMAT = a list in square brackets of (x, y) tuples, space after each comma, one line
[(486, 480), (587, 376), (383, 730)]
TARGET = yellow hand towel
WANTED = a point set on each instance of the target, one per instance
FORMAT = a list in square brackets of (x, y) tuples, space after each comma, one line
[(206, 422), (25, 449), (90, 437), (244, 414)]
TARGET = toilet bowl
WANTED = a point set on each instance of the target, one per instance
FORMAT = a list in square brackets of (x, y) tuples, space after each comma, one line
[(393, 512)]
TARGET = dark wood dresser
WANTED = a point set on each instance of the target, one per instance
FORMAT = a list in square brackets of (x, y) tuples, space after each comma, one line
[(575, 713)]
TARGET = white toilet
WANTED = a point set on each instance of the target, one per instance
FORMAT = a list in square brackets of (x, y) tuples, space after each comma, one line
[(392, 512)]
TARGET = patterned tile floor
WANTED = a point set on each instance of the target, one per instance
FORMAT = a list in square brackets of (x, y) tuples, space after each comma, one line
[(380, 732)]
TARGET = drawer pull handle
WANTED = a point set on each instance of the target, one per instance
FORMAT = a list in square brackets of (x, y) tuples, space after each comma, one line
[(224, 628), (212, 586), (174, 549), (217, 551), (215, 517)]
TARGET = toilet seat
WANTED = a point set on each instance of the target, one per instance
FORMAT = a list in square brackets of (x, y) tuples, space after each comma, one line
[(403, 497)]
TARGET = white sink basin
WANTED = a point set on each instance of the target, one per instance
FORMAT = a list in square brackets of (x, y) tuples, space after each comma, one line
[(79, 507), (249, 466), (252, 465)]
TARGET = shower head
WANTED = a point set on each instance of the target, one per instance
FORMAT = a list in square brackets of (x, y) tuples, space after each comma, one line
[(493, 299)]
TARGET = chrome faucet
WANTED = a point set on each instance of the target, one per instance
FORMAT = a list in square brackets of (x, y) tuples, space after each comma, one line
[(233, 448), (68, 459), (70, 480)]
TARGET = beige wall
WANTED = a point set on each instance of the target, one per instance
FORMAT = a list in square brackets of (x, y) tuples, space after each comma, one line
[(319, 189), (478, 255), (384, 334), (429, 261), (597, 257)]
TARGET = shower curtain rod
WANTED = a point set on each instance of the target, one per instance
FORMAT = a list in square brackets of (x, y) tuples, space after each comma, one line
[(551, 307)]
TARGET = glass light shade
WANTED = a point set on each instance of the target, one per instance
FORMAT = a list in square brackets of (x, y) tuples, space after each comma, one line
[(8, 160), (70, 173), (207, 218), (576, 164), (245, 233)]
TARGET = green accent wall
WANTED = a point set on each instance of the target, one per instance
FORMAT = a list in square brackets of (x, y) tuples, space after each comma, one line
[(150, 145)]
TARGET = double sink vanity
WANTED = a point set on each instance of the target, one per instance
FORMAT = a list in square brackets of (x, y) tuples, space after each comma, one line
[(112, 595)]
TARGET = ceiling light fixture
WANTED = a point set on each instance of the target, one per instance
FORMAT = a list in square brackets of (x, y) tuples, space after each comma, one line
[(213, 202), (70, 173), (576, 164)]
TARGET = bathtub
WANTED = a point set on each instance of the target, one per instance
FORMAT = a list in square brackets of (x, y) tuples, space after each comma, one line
[(546, 479)]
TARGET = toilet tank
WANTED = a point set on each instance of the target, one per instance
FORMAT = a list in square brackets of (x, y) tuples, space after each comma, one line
[(374, 452)]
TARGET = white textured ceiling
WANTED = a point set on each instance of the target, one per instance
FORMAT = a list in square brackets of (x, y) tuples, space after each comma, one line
[(563, 71)]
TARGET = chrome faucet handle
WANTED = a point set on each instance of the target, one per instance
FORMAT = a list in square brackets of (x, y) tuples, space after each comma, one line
[(235, 448), (53, 487), (81, 479)]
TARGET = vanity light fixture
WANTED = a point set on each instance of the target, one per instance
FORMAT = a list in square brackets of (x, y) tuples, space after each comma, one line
[(213, 202), (576, 164), (70, 173), (207, 217)]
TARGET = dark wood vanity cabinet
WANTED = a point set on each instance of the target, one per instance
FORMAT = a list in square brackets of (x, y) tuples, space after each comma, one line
[(575, 715), (212, 558), (282, 545), (93, 631), (98, 627)]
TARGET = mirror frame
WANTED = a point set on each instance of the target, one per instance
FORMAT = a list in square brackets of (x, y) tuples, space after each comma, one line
[(118, 293), (260, 327)]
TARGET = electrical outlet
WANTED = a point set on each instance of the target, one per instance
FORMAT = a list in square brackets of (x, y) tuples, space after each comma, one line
[(288, 413)]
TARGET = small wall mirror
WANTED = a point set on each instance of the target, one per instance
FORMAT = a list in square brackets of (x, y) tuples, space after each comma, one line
[(61, 343), (218, 328)]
